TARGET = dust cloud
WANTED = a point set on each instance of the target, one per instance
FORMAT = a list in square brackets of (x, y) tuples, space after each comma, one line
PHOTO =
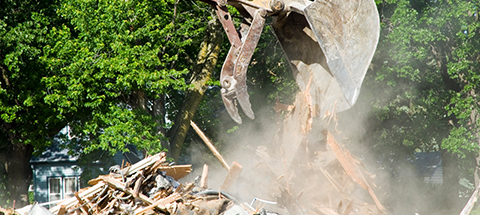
[(283, 164), (401, 188), (259, 146)]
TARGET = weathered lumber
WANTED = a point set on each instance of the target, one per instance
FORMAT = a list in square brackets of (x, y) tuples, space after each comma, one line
[(121, 186), (232, 176), (176, 171), (471, 202), (210, 145), (159, 204), (204, 179), (84, 207), (143, 164), (73, 201), (350, 167), (62, 210)]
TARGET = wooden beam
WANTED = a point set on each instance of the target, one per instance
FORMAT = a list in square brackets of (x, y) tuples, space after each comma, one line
[(210, 145), (160, 203), (471, 202), (84, 207), (121, 186), (204, 179), (143, 164), (176, 171), (73, 201), (347, 162), (232, 176)]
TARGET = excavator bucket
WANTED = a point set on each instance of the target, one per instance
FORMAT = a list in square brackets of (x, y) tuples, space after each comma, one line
[(331, 43)]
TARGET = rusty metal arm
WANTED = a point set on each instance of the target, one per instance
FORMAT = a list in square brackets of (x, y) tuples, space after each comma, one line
[(246, 53), (233, 79), (234, 69)]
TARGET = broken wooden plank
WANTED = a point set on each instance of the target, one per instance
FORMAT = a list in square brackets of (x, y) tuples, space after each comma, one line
[(210, 145), (136, 188), (189, 187), (62, 210), (350, 167), (296, 125), (154, 167), (232, 176), (471, 202), (143, 164), (121, 186), (176, 171), (84, 194), (204, 179), (83, 206), (343, 158), (159, 204)]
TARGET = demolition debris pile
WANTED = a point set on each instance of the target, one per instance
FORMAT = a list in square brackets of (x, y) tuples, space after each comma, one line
[(300, 172), (147, 187), (307, 171)]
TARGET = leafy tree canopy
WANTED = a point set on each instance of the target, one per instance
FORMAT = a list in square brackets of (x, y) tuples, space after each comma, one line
[(427, 67), (103, 68), (110, 61)]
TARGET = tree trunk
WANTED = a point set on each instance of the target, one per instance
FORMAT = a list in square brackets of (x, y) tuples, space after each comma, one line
[(159, 113), (474, 119), (205, 65), (16, 162), (441, 59)]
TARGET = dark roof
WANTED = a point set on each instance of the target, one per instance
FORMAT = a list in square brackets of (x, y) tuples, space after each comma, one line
[(54, 153), (427, 162), (132, 157)]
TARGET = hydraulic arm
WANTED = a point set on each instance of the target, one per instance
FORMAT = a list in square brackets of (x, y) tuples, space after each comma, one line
[(331, 42)]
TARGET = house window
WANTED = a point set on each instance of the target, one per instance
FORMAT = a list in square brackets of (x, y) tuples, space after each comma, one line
[(55, 189), (62, 187), (70, 186)]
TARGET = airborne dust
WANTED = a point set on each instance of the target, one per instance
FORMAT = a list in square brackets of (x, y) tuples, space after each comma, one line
[(270, 171)]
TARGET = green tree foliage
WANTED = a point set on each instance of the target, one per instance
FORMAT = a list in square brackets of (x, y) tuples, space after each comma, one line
[(103, 68), (427, 67), (26, 120), (112, 61), (111, 71)]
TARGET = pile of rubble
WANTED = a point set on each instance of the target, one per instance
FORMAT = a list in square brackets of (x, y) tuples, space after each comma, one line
[(149, 187), (300, 172), (307, 171), (326, 181)]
